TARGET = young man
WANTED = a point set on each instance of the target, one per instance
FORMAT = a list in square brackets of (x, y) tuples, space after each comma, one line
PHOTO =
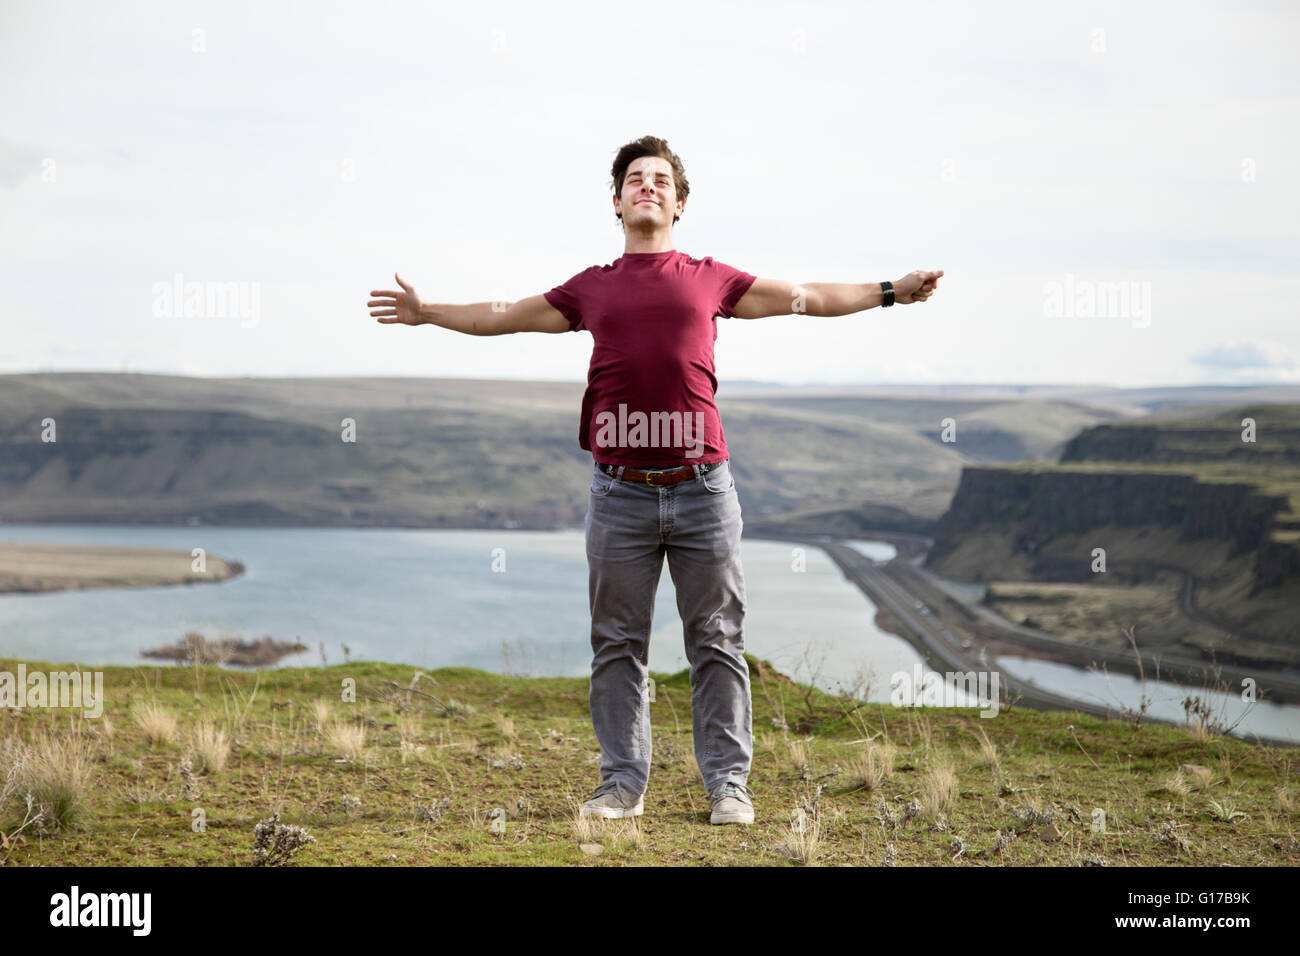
[(661, 483)]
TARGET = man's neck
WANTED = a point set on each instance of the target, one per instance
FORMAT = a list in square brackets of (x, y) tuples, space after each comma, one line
[(658, 242)]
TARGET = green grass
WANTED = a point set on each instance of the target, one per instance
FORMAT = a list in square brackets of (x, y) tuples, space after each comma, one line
[(1026, 785)]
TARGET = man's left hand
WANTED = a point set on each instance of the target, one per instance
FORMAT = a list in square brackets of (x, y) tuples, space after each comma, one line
[(916, 286)]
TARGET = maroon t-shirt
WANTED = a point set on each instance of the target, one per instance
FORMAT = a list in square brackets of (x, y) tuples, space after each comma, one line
[(650, 387)]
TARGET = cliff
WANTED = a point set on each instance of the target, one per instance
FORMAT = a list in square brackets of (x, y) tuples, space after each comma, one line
[(1042, 504), (1275, 439), (1187, 504)]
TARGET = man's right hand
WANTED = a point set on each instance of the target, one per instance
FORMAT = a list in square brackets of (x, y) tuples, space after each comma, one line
[(533, 314), (393, 307)]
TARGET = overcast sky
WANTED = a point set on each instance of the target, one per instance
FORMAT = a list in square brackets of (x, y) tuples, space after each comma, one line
[(1039, 154)]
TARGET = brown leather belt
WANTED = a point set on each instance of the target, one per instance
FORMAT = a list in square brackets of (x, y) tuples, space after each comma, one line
[(656, 476)]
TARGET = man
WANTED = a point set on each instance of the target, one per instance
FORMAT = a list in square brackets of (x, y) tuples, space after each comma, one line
[(661, 483)]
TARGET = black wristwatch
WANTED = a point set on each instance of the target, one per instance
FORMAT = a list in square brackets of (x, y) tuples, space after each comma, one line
[(887, 288)]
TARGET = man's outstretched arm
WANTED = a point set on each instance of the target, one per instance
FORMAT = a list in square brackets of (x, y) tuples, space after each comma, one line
[(533, 314), (775, 297)]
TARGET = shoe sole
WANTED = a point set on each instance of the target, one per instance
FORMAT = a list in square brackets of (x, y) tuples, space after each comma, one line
[(746, 818), (609, 813)]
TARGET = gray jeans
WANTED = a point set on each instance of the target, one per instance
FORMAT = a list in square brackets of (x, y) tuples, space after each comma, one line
[(630, 527)]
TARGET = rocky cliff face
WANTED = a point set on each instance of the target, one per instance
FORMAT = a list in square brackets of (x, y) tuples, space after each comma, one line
[(1277, 563), (1038, 506), (1125, 486), (1277, 440)]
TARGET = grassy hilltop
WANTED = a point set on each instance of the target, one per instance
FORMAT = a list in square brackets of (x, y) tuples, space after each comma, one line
[(461, 766)]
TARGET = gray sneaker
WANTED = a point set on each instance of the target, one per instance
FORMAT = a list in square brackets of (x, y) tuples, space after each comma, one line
[(732, 803), (613, 801)]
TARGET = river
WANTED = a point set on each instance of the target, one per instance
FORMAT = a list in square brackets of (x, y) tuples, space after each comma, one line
[(511, 602)]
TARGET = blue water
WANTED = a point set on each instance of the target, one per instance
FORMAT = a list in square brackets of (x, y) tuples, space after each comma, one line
[(432, 599), (1278, 721)]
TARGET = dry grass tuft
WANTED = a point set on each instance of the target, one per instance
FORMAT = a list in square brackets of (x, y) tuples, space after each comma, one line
[(584, 828), (799, 755), (939, 788), (157, 722), (211, 746), (874, 763), (1177, 784), (505, 724), (346, 738), (610, 835), (803, 842), (54, 777), (988, 753), (320, 712)]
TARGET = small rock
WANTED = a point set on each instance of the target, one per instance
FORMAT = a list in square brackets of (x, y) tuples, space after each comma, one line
[(1196, 773), (432, 812), (591, 849)]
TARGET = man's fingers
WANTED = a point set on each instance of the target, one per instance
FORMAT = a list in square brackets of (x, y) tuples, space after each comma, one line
[(401, 283), (391, 302), (392, 295)]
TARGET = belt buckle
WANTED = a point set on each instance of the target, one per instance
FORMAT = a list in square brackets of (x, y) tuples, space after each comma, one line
[(654, 471)]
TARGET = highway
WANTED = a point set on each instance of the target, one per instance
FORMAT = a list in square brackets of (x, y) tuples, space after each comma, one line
[(911, 596)]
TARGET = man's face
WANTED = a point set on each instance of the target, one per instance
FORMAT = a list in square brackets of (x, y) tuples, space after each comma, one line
[(649, 194)]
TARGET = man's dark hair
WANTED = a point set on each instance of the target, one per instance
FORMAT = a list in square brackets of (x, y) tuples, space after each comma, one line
[(649, 146)]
